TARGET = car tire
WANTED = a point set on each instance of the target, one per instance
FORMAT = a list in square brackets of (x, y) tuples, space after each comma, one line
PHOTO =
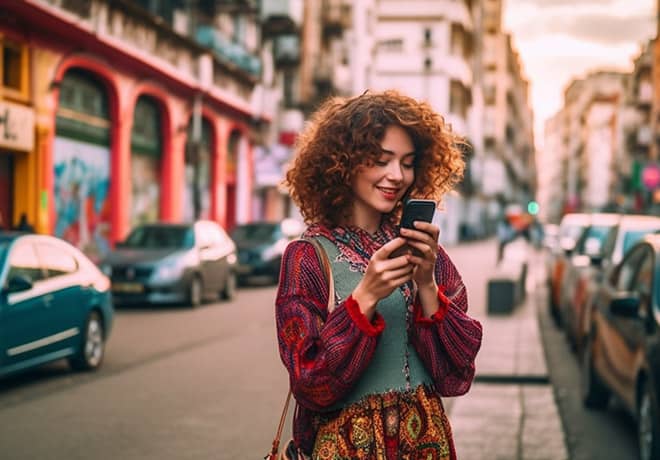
[(92, 348), (229, 290), (595, 395), (195, 291), (648, 433)]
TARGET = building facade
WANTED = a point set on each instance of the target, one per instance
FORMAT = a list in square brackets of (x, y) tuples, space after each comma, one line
[(136, 115)]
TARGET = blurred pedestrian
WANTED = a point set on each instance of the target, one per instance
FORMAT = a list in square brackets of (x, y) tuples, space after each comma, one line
[(505, 234), (24, 225), (368, 372)]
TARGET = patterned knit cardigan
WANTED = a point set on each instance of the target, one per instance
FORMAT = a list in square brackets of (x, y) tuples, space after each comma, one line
[(326, 354)]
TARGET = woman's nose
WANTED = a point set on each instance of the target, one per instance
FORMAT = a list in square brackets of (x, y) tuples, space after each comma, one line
[(394, 172)]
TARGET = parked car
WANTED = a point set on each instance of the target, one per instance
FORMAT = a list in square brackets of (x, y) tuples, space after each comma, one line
[(582, 269), (261, 246), (629, 230), (621, 353), (173, 263), (54, 304), (571, 227)]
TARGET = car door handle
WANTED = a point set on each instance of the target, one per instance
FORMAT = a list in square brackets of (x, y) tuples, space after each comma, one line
[(48, 298)]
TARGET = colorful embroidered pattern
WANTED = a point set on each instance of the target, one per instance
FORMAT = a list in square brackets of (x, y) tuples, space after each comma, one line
[(392, 426)]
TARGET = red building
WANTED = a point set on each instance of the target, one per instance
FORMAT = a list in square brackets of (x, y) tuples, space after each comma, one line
[(132, 121)]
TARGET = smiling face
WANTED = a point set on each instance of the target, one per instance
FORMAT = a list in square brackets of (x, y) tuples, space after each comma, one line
[(379, 187)]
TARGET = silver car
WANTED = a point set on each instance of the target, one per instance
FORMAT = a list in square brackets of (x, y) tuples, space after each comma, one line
[(173, 263)]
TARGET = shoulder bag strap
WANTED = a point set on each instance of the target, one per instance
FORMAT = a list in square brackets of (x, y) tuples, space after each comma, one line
[(327, 271)]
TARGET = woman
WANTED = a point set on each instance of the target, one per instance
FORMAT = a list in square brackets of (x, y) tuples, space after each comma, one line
[(369, 374)]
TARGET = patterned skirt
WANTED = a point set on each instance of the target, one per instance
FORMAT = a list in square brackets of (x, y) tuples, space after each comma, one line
[(391, 426)]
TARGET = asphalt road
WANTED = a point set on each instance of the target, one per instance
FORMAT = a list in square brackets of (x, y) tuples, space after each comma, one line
[(176, 384), (590, 434)]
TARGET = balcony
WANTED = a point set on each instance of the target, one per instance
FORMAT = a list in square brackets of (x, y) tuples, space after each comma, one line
[(335, 16), (228, 51), (280, 17)]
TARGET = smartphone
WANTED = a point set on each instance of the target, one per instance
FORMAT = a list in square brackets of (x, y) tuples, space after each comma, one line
[(414, 210)]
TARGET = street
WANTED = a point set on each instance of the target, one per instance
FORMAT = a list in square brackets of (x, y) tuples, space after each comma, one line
[(208, 383)]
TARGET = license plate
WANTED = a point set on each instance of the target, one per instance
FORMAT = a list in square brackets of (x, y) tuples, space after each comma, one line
[(128, 288), (243, 269)]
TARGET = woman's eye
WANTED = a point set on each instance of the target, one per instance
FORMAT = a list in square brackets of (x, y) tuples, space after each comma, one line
[(381, 163), (408, 165)]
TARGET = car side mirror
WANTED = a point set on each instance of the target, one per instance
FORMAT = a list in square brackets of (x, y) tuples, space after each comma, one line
[(19, 283), (625, 304)]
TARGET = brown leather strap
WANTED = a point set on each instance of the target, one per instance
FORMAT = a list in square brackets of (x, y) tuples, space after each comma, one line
[(327, 271)]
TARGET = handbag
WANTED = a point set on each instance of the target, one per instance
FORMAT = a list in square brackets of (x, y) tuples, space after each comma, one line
[(291, 452)]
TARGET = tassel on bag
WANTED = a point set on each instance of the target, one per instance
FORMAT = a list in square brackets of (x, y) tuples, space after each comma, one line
[(291, 452)]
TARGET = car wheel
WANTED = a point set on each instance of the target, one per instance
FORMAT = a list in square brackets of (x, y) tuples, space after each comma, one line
[(647, 425), (92, 349), (595, 395), (195, 291), (229, 291)]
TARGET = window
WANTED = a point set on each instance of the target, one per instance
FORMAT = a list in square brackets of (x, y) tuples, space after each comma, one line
[(428, 37), (457, 39), (459, 99), (628, 270), (23, 261), (56, 261), (13, 67)]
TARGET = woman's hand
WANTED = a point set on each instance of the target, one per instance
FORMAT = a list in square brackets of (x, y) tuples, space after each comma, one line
[(424, 238), (383, 275)]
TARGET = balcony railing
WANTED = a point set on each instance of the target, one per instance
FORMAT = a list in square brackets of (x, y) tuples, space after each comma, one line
[(227, 50)]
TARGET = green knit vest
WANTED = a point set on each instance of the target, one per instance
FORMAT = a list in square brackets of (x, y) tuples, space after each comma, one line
[(387, 369)]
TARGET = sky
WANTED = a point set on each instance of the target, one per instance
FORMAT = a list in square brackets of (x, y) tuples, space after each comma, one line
[(559, 40)]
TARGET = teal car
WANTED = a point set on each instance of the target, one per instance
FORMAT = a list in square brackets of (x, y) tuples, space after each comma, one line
[(54, 304)]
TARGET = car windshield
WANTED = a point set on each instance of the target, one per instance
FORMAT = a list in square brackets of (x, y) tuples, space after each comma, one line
[(594, 238), (151, 237), (633, 236), (260, 233), (3, 251)]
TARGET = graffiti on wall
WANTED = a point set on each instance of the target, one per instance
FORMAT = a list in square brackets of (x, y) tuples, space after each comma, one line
[(146, 191), (81, 188)]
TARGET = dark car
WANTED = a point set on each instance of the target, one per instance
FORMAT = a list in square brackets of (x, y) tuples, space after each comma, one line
[(54, 303), (173, 263), (621, 353), (261, 246), (601, 254)]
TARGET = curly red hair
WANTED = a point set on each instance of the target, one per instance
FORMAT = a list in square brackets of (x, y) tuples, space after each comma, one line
[(346, 134)]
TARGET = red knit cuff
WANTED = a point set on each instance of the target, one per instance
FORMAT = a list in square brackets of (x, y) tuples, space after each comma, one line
[(443, 307), (373, 327)]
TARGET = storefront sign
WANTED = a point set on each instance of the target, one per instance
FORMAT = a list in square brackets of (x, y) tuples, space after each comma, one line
[(16, 127)]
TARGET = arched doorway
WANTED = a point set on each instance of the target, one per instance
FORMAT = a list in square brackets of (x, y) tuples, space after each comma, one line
[(197, 191), (232, 173), (146, 154), (81, 163)]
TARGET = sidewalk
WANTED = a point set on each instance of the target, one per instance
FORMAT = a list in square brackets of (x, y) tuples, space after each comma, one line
[(510, 412)]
